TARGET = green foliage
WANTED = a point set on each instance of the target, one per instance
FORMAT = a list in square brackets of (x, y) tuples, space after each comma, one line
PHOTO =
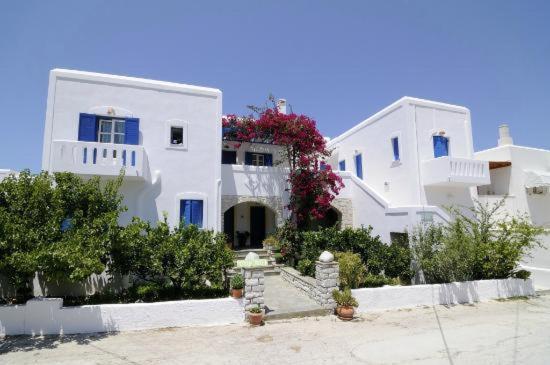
[(375, 281), (59, 225), (344, 298), (474, 246), (271, 242), (255, 310), (306, 267), (185, 258), (352, 269), (378, 257), (522, 274), (279, 259), (237, 282)]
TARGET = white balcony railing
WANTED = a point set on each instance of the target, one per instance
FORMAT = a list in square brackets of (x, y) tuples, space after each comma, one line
[(93, 158), (449, 171)]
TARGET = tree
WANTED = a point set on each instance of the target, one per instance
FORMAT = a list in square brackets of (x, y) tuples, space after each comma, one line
[(313, 184), (58, 225)]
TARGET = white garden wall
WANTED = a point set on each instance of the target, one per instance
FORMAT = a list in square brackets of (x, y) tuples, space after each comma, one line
[(42, 316), (394, 297)]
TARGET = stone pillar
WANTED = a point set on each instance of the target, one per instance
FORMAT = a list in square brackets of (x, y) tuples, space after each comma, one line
[(253, 287), (327, 276)]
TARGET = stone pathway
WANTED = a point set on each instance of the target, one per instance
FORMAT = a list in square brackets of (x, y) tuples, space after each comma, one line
[(283, 300)]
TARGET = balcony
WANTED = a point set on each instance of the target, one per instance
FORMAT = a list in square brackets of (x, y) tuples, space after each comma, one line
[(254, 180), (451, 171), (93, 158)]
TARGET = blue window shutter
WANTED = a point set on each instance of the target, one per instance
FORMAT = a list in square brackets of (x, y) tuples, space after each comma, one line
[(248, 158), (131, 131), (196, 216), (342, 165), (359, 166), (191, 212), (441, 146), (87, 128), (395, 145), (268, 159), (323, 166)]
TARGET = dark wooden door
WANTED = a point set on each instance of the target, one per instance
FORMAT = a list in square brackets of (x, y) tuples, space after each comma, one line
[(257, 226), (229, 226)]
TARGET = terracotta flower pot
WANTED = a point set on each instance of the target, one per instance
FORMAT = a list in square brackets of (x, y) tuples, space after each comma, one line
[(236, 293), (255, 319), (345, 313)]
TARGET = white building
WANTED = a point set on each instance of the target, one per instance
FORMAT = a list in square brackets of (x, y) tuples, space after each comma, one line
[(408, 162), (521, 177), (400, 166)]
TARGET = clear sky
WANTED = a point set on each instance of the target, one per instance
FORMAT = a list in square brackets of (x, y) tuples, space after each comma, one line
[(337, 61)]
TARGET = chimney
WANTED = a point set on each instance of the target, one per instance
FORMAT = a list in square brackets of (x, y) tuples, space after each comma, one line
[(281, 106), (504, 138)]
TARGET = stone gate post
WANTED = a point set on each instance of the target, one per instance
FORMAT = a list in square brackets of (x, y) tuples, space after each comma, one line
[(327, 276)]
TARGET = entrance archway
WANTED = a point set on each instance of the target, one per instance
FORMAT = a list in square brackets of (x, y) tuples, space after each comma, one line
[(247, 224)]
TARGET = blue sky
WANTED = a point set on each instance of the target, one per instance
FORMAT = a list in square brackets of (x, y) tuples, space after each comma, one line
[(338, 62)]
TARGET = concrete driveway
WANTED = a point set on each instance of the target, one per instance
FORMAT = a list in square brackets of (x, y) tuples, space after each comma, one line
[(501, 332)]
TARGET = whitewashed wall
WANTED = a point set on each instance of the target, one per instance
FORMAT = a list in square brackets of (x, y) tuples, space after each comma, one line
[(170, 173), (394, 297), (40, 316)]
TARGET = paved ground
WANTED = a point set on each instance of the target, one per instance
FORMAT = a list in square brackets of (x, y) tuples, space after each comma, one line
[(505, 332), (282, 299)]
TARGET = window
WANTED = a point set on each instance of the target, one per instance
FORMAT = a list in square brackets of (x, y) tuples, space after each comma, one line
[(323, 166), (258, 159), (395, 146), (191, 212), (441, 146), (111, 131), (229, 157), (94, 128), (359, 166), (176, 136), (342, 165)]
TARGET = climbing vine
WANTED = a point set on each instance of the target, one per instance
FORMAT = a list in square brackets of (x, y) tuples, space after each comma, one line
[(313, 184)]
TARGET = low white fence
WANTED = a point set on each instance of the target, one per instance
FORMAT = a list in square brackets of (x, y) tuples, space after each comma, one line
[(394, 297), (40, 316)]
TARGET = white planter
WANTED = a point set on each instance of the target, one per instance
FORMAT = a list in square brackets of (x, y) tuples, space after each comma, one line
[(394, 297)]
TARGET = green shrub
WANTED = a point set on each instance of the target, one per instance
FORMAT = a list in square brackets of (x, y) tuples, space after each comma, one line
[(398, 261), (148, 292), (359, 240), (344, 298), (278, 258), (186, 258), (522, 274), (58, 224), (306, 267), (271, 242), (237, 282), (375, 281), (352, 269), (481, 245)]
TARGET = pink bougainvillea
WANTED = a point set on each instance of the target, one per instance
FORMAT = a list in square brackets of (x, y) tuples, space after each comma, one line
[(313, 184)]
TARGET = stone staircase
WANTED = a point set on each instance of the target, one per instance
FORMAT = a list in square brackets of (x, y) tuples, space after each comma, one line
[(271, 269)]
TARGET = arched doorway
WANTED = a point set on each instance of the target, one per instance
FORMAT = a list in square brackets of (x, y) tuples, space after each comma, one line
[(247, 224), (332, 218)]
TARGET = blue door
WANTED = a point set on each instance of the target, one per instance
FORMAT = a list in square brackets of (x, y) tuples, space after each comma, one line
[(441, 146)]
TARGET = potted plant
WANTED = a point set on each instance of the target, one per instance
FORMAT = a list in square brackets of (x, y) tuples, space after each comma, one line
[(237, 284), (345, 304), (255, 315)]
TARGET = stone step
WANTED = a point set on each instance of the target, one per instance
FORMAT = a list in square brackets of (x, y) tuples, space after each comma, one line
[(268, 270), (298, 314)]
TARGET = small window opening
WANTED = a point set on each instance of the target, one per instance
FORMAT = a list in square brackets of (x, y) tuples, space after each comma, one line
[(176, 136)]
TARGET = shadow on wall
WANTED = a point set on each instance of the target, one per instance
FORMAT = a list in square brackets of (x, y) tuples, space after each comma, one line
[(446, 197), (457, 293)]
